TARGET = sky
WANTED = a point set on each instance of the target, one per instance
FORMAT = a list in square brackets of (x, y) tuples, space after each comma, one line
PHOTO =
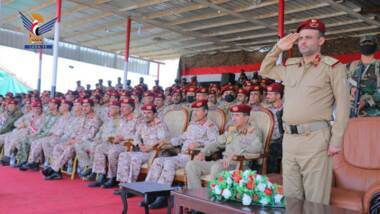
[(24, 65)]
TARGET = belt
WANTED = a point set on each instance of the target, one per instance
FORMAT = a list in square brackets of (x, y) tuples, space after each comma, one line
[(305, 127)]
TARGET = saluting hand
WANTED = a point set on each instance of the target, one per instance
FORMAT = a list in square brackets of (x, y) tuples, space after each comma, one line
[(287, 42)]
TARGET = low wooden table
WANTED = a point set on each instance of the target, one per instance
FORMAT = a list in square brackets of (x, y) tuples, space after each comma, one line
[(200, 201), (146, 189)]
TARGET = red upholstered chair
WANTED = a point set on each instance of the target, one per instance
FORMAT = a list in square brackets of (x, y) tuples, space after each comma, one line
[(357, 167)]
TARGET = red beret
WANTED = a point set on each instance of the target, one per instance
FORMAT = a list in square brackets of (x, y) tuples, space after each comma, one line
[(212, 91), (125, 93), (243, 91), (202, 90), (159, 95), (191, 89), (228, 88), (314, 24), (247, 83), (89, 101), (12, 101), (199, 104), (113, 93), (256, 88), (243, 108), (78, 100), (275, 87), (28, 102), (63, 101), (36, 103), (115, 103), (55, 101), (148, 94), (127, 101), (149, 107)]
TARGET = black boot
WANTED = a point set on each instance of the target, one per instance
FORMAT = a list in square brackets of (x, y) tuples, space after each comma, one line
[(34, 166), (99, 181), (24, 166), (47, 171), (5, 161), (160, 202), (110, 183), (91, 177), (54, 176), (86, 172)]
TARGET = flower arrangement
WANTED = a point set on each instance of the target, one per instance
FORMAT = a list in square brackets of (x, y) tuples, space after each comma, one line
[(248, 187)]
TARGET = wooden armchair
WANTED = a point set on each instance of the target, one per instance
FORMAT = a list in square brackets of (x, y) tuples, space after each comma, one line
[(264, 120), (218, 117)]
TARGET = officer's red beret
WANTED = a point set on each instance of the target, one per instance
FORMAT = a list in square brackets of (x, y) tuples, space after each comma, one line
[(127, 101), (115, 103), (12, 101), (36, 103), (191, 89), (88, 101), (148, 94), (314, 24), (55, 101), (228, 88), (202, 90), (63, 101), (256, 88), (78, 101), (159, 95), (199, 104), (242, 108), (149, 107), (243, 91), (275, 87)]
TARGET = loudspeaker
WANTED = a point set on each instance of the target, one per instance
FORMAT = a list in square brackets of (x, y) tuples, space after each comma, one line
[(228, 77)]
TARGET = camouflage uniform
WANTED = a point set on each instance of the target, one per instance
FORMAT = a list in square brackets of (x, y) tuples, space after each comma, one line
[(8, 120), (126, 129), (130, 163), (33, 144), (33, 124), (369, 86), (20, 128), (85, 146), (163, 168), (62, 151), (249, 140)]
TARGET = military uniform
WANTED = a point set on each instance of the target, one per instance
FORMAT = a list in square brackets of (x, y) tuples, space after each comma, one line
[(7, 123), (126, 128), (311, 91), (369, 86), (129, 163), (163, 168), (14, 141), (84, 146), (34, 144), (248, 139)]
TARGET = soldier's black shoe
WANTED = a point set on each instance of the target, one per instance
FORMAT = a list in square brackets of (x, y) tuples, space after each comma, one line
[(54, 176), (99, 181), (91, 177), (110, 183), (34, 166), (47, 171), (86, 172), (5, 161), (160, 202), (24, 166)]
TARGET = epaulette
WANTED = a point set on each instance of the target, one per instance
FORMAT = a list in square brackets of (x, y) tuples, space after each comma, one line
[(330, 61), (292, 61)]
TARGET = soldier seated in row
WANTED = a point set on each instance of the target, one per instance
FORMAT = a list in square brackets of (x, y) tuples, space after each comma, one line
[(8, 118), (240, 138), (63, 150), (200, 132), (150, 133), (111, 150)]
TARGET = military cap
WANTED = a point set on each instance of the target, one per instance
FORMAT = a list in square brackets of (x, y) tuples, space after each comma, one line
[(240, 108), (314, 24), (199, 104), (149, 107)]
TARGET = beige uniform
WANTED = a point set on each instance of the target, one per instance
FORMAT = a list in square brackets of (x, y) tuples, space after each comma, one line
[(311, 92), (163, 168), (126, 128), (247, 140)]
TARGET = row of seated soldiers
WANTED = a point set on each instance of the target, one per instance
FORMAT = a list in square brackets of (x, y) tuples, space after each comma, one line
[(55, 130)]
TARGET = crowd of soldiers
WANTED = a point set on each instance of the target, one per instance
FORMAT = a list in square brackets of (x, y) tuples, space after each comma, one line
[(95, 126)]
